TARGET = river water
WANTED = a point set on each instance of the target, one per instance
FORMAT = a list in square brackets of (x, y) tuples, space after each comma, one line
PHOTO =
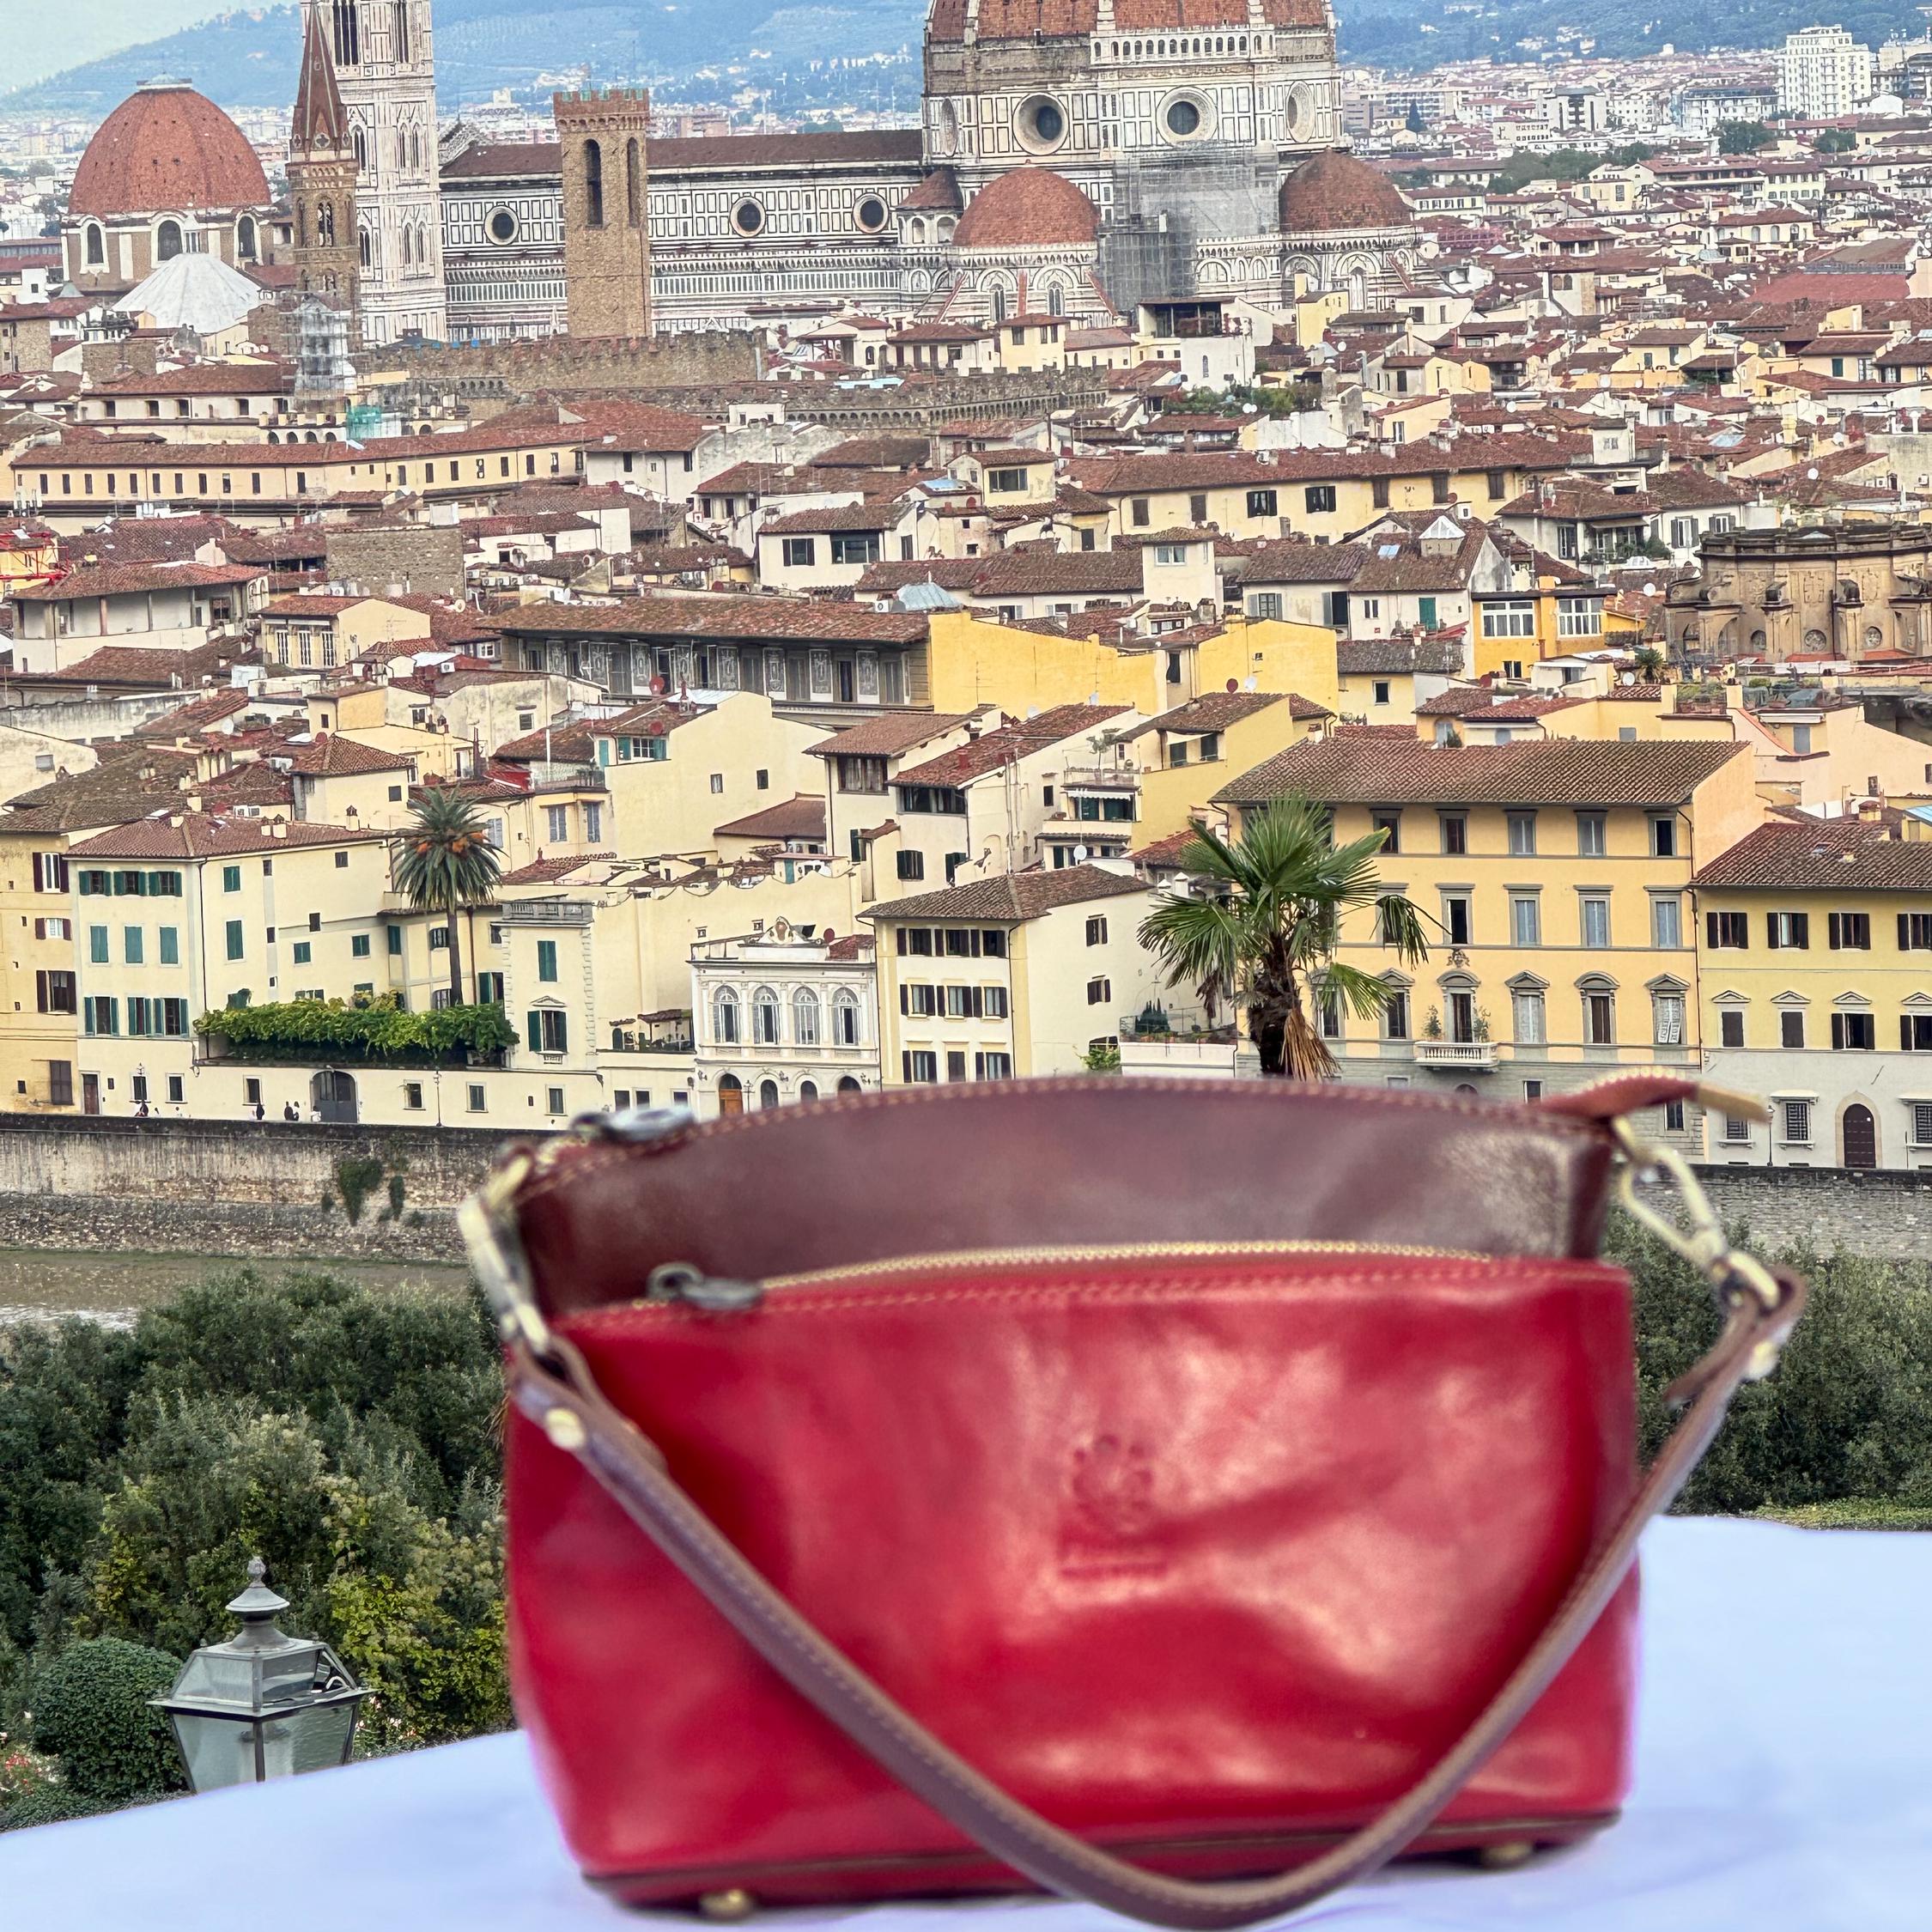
[(44, 1284)]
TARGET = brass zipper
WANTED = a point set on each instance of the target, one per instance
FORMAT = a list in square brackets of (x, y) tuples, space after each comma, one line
[(679, 1281)]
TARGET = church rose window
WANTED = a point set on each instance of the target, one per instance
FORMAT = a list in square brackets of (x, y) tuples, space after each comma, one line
[(872, 214), (748, 217), (1183, 118), (1041, 123), (502, 226)]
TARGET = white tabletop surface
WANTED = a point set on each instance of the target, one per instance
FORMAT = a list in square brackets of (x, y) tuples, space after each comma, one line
[(1784, 1785)]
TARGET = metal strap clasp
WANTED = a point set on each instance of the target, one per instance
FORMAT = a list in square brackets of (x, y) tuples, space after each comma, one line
[(1732, 1273)]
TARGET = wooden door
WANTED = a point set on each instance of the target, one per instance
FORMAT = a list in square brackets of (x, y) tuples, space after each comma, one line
[(1861, 1136), (90, 1093)]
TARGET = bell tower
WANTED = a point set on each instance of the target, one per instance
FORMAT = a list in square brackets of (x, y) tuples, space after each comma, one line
[(606, 229), (322, 176)]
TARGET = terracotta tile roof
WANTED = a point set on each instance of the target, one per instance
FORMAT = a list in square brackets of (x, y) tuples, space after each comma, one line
[(887, 736), (165, 146), (875, 452), (875, 513), (1347, 769), (1010, 743), (195, 717), (1333, 191), (566, 743), (547, 872), (1011, 896), (1382, 657), (802, 816), (330, 754), (132, 579), (1214, 711), (514, 159), (675, 155), (937, 191), (204, 379), (207, 835), (1823, 855), (1164, 854), (145, 667), (119, 788), (815, 620), (1027, 207)]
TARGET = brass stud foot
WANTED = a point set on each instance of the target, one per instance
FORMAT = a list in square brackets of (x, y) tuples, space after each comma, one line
[(1508, 1856), (727, 1908)]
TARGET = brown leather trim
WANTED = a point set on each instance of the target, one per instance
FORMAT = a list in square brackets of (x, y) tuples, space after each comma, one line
[(916, 1170)]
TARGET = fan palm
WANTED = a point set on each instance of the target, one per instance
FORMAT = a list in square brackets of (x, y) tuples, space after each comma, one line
[(444, 862), (1267, 934)]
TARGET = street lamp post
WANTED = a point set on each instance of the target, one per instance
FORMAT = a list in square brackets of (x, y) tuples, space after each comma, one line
[(262, 1704)]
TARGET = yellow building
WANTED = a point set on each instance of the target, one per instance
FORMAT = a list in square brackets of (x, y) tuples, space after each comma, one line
[(973, 662), (1553, 880), (1814, 959), (40, 1001), (1026, 973), (1187, 752)]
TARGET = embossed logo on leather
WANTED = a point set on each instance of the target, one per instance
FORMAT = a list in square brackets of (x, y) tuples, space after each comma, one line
[(1112, 1521)]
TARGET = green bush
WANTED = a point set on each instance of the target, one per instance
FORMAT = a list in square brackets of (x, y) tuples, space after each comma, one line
[(91, 1711), (53, 1804), (378, 1030), (1852, 1512)]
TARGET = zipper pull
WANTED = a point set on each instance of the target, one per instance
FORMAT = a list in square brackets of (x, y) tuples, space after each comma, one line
[(679, 1281)]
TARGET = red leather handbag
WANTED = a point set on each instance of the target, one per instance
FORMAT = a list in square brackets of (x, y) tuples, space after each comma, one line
[(1184, 1496)]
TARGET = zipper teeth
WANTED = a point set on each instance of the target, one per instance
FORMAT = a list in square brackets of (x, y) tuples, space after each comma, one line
[(1134, 1251)]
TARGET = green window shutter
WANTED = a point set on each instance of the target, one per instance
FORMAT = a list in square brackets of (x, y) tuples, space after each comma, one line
[(235, 938), (563, 1033), (536, 1029)]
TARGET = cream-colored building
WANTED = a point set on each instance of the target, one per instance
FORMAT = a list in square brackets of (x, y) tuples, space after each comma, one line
[(1027, 973)]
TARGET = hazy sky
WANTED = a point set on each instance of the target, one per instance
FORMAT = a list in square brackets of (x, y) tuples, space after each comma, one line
[(48, 37)]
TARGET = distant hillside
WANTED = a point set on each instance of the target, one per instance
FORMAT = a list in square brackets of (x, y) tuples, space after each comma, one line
[(249, 60)]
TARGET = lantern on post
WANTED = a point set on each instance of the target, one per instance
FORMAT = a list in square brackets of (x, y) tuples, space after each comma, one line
[(262, 1704)]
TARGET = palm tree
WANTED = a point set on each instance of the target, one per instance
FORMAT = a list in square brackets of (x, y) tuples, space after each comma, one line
[(444, 862), (1269, 934)]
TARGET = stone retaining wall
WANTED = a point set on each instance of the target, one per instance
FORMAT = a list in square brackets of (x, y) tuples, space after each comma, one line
[(1883, 1213)]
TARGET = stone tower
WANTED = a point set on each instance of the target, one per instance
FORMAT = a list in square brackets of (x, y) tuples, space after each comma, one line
[(606, 233), (386, 70), (322, 175)]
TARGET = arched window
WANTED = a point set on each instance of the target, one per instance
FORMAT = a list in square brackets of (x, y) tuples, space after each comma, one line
[(845, 1018), (848, 1084), (365, 246), (634, 184), (724, 1016), (96, 246), (767, 1093), (359, 147), (167, 241), (245, 237), (325, 223), (409, 244), (998, 303), (400, 31), (593, 185), (764, 1018), (808, 1090), (1056, 300), (1600, 1011), (349, 33), (805, 1016), (301, 224)]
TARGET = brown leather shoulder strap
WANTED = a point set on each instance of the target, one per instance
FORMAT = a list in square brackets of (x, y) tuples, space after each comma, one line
[(561, 1394)]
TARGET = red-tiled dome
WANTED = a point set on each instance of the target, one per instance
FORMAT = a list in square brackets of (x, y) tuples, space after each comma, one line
[(166, 147), (1334, 191), (1030, 208)]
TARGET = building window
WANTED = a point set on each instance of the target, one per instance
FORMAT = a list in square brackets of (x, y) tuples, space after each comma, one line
[(1456, 919), (1096, 930), (1667, 922), (1667, 1012), (1509, 617), (1730, 1027), (724, 1016), (546, 960), (911, 864), (1599, 1019), (1526, 920), (1590, 838), (1922, 1125), (764, 1018), (1849, 931), (1389, 824), (920, 1066), (1099, 991), (1797, 1123), (800, 552), (1525, 1013), (1663, 838), (593, 185), (557, 823), (1262, 503), (1319, 498), (1396, 1014), (1727, 930), (234, 939), (477, 1101), (1596, 920), (1914, 932), (412, 1096), (1854, 1033), (1789, 932), (547, 1029), (1522, 834), (1579, 616), (1736, 1127), (1791, 1028), (1455, 833)]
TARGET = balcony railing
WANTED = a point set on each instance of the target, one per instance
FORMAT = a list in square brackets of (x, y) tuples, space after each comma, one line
[(1473, 1056)]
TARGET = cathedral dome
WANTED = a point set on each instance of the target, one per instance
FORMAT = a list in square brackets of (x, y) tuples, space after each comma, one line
[(166, 147), (1029, 207), (1334, 191)]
